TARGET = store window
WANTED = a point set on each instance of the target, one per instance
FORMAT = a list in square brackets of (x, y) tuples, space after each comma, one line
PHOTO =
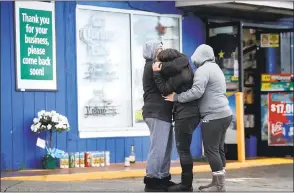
[(286, 50), (225, 43), (110, 67), (279, 58)]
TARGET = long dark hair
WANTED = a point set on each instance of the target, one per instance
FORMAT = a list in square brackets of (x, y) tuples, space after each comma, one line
[(168, 55)]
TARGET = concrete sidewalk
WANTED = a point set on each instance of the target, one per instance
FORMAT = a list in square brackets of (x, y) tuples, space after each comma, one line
[(118, 171), (257, 179)]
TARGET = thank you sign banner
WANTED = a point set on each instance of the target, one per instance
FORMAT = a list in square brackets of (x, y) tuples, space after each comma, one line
[(35, 45)]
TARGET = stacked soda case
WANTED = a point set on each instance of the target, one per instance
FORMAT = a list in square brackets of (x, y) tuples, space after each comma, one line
[(85, 159)]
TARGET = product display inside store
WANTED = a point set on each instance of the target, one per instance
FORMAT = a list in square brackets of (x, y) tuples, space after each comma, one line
[(267, 62)]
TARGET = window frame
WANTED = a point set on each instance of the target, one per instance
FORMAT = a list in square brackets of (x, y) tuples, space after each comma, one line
[(133, 130)]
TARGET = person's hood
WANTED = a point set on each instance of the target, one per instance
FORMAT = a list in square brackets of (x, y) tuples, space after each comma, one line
[(204, 53), (150, 49)]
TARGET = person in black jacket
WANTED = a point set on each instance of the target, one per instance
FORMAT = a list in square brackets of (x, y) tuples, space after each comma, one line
[(178, 77), (157, 113)]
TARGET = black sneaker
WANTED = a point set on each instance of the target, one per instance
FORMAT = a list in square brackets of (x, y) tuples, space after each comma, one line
[(155, 185), (155, 188), (167, 181), (180, 188)]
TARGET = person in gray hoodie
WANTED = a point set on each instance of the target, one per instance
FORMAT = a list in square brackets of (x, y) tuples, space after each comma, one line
[(157, 113), (209, 86)]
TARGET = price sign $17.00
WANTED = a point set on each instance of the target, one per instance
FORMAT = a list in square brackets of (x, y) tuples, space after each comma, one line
[(282, 108)]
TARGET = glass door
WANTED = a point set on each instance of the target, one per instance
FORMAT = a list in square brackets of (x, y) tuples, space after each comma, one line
[(226, 41), (276, 68), (144, 28)]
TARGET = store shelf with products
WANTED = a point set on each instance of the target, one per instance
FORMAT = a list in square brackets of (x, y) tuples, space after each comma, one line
[(251, 88)]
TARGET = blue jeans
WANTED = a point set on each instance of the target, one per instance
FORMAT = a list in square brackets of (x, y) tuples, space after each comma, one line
[(161, 141)]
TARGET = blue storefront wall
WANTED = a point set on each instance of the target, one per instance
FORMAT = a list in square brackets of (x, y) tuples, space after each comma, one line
[(18, 143)]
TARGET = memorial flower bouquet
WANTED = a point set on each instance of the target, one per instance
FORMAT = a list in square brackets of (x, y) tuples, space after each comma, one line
[(53, 122), (49, 121)]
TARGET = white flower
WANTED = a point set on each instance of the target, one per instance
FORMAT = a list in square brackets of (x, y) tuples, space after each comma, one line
[(41, 113), (54, 119), (48, 114), (33, 127), (64, 120), (36, 129), (38, 125), (58, 126), (36, 120)]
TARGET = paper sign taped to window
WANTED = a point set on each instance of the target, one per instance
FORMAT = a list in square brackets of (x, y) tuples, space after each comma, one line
[(269, 40), (41, 143)]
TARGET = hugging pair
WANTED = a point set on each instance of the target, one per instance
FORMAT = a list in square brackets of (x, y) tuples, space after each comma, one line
[(168, 73)]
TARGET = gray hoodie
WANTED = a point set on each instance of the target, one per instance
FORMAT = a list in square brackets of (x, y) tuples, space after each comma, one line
[(209, 85), (150, 49)]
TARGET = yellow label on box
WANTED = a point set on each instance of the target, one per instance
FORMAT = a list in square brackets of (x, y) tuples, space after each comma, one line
[(266, 86), (274, 40), (269, 40), (265, 78), (234, 78)]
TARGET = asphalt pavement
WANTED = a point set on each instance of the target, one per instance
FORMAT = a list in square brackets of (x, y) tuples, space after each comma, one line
[(265, 179)]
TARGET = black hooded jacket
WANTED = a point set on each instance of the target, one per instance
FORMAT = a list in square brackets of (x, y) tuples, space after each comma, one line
[(177, 76), (154, 104)]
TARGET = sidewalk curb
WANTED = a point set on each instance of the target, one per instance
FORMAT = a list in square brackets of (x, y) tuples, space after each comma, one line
[(129, 173)]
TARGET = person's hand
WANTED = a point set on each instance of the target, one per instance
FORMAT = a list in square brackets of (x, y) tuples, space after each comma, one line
[(169, 97), (156, 66)]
